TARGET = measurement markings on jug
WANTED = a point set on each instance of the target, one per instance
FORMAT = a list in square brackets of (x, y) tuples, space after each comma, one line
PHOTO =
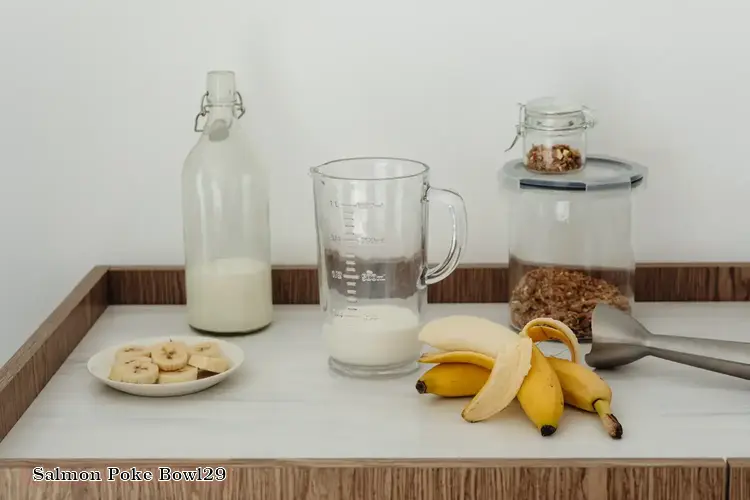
[(353, 239), (370, 204), (369, 240), (371, 276), (350, 239), (360, 204), (349, 312)]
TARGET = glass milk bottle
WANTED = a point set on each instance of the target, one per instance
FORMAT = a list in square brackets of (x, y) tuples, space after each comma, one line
[(225, 220)]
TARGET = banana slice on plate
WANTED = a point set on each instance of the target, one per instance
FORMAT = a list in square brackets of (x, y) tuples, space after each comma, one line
[(116, 372), (170, 356), (209, 364), (209, 348), (158, 366), (132, 351), (138, 372), (184, 374)]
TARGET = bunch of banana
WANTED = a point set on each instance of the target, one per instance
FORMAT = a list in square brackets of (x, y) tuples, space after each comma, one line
[(492, 364)]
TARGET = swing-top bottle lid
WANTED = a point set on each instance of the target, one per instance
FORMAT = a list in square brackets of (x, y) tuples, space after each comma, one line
[(221, 87)]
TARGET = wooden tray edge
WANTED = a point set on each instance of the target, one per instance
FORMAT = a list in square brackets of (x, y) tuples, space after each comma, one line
[(417, 480), (474, 283), (344, 463), (738, 479), (26, 373)]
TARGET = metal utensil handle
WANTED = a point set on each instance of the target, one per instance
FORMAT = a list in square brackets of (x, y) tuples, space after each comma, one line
[(457, 208), (721, 356)]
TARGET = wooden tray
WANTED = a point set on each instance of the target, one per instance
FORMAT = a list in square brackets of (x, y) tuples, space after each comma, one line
[(504, 476)]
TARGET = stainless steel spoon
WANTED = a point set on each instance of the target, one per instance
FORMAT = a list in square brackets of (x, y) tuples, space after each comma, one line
[(618, 339)]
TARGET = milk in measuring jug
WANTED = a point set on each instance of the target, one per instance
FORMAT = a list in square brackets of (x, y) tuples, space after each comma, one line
[(378, 335), (229, 295)]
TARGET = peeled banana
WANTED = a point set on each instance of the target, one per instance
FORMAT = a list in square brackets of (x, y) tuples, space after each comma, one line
[(486, 360), (584, 389), (510, 353), (453, 380), (542, 329), (540, 395), (470, 357), (468, 333), (511, 366)]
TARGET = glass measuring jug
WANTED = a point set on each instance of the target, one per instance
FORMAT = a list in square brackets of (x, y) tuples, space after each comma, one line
[(372, 222)]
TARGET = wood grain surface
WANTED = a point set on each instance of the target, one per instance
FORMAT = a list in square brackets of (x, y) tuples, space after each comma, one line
[(385, 480), (470, 284), (739, 479), (32, 366)]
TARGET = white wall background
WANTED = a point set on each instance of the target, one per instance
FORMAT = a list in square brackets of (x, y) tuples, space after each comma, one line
[(98, 98)]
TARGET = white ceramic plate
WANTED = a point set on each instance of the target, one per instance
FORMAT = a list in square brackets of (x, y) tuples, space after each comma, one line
[(99, 366)]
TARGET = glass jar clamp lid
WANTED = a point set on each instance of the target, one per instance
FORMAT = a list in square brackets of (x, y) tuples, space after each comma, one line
[(553, 134)]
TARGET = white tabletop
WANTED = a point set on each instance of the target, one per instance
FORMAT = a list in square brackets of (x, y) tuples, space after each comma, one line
[(284, 402)]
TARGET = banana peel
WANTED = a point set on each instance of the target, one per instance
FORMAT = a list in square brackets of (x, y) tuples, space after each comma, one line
[(543, 329), (512, 364)]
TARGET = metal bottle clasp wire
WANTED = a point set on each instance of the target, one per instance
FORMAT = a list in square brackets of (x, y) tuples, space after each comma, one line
[(519, 126), (239, 108)]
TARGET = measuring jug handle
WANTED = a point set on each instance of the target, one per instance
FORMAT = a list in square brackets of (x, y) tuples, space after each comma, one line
[(457, 208)]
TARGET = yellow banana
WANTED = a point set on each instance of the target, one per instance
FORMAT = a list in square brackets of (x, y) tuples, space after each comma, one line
[(453, 380), (473, 358), (540, 395), (584, 389)]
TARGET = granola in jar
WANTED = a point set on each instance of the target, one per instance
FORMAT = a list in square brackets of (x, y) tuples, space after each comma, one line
[(556, 159), (566, 295)]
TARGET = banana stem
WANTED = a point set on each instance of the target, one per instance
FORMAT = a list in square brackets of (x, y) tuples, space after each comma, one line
[(611, 424)]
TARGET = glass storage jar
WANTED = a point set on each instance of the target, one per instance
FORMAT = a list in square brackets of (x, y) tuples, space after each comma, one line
[(553, 135), (570, 242)]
